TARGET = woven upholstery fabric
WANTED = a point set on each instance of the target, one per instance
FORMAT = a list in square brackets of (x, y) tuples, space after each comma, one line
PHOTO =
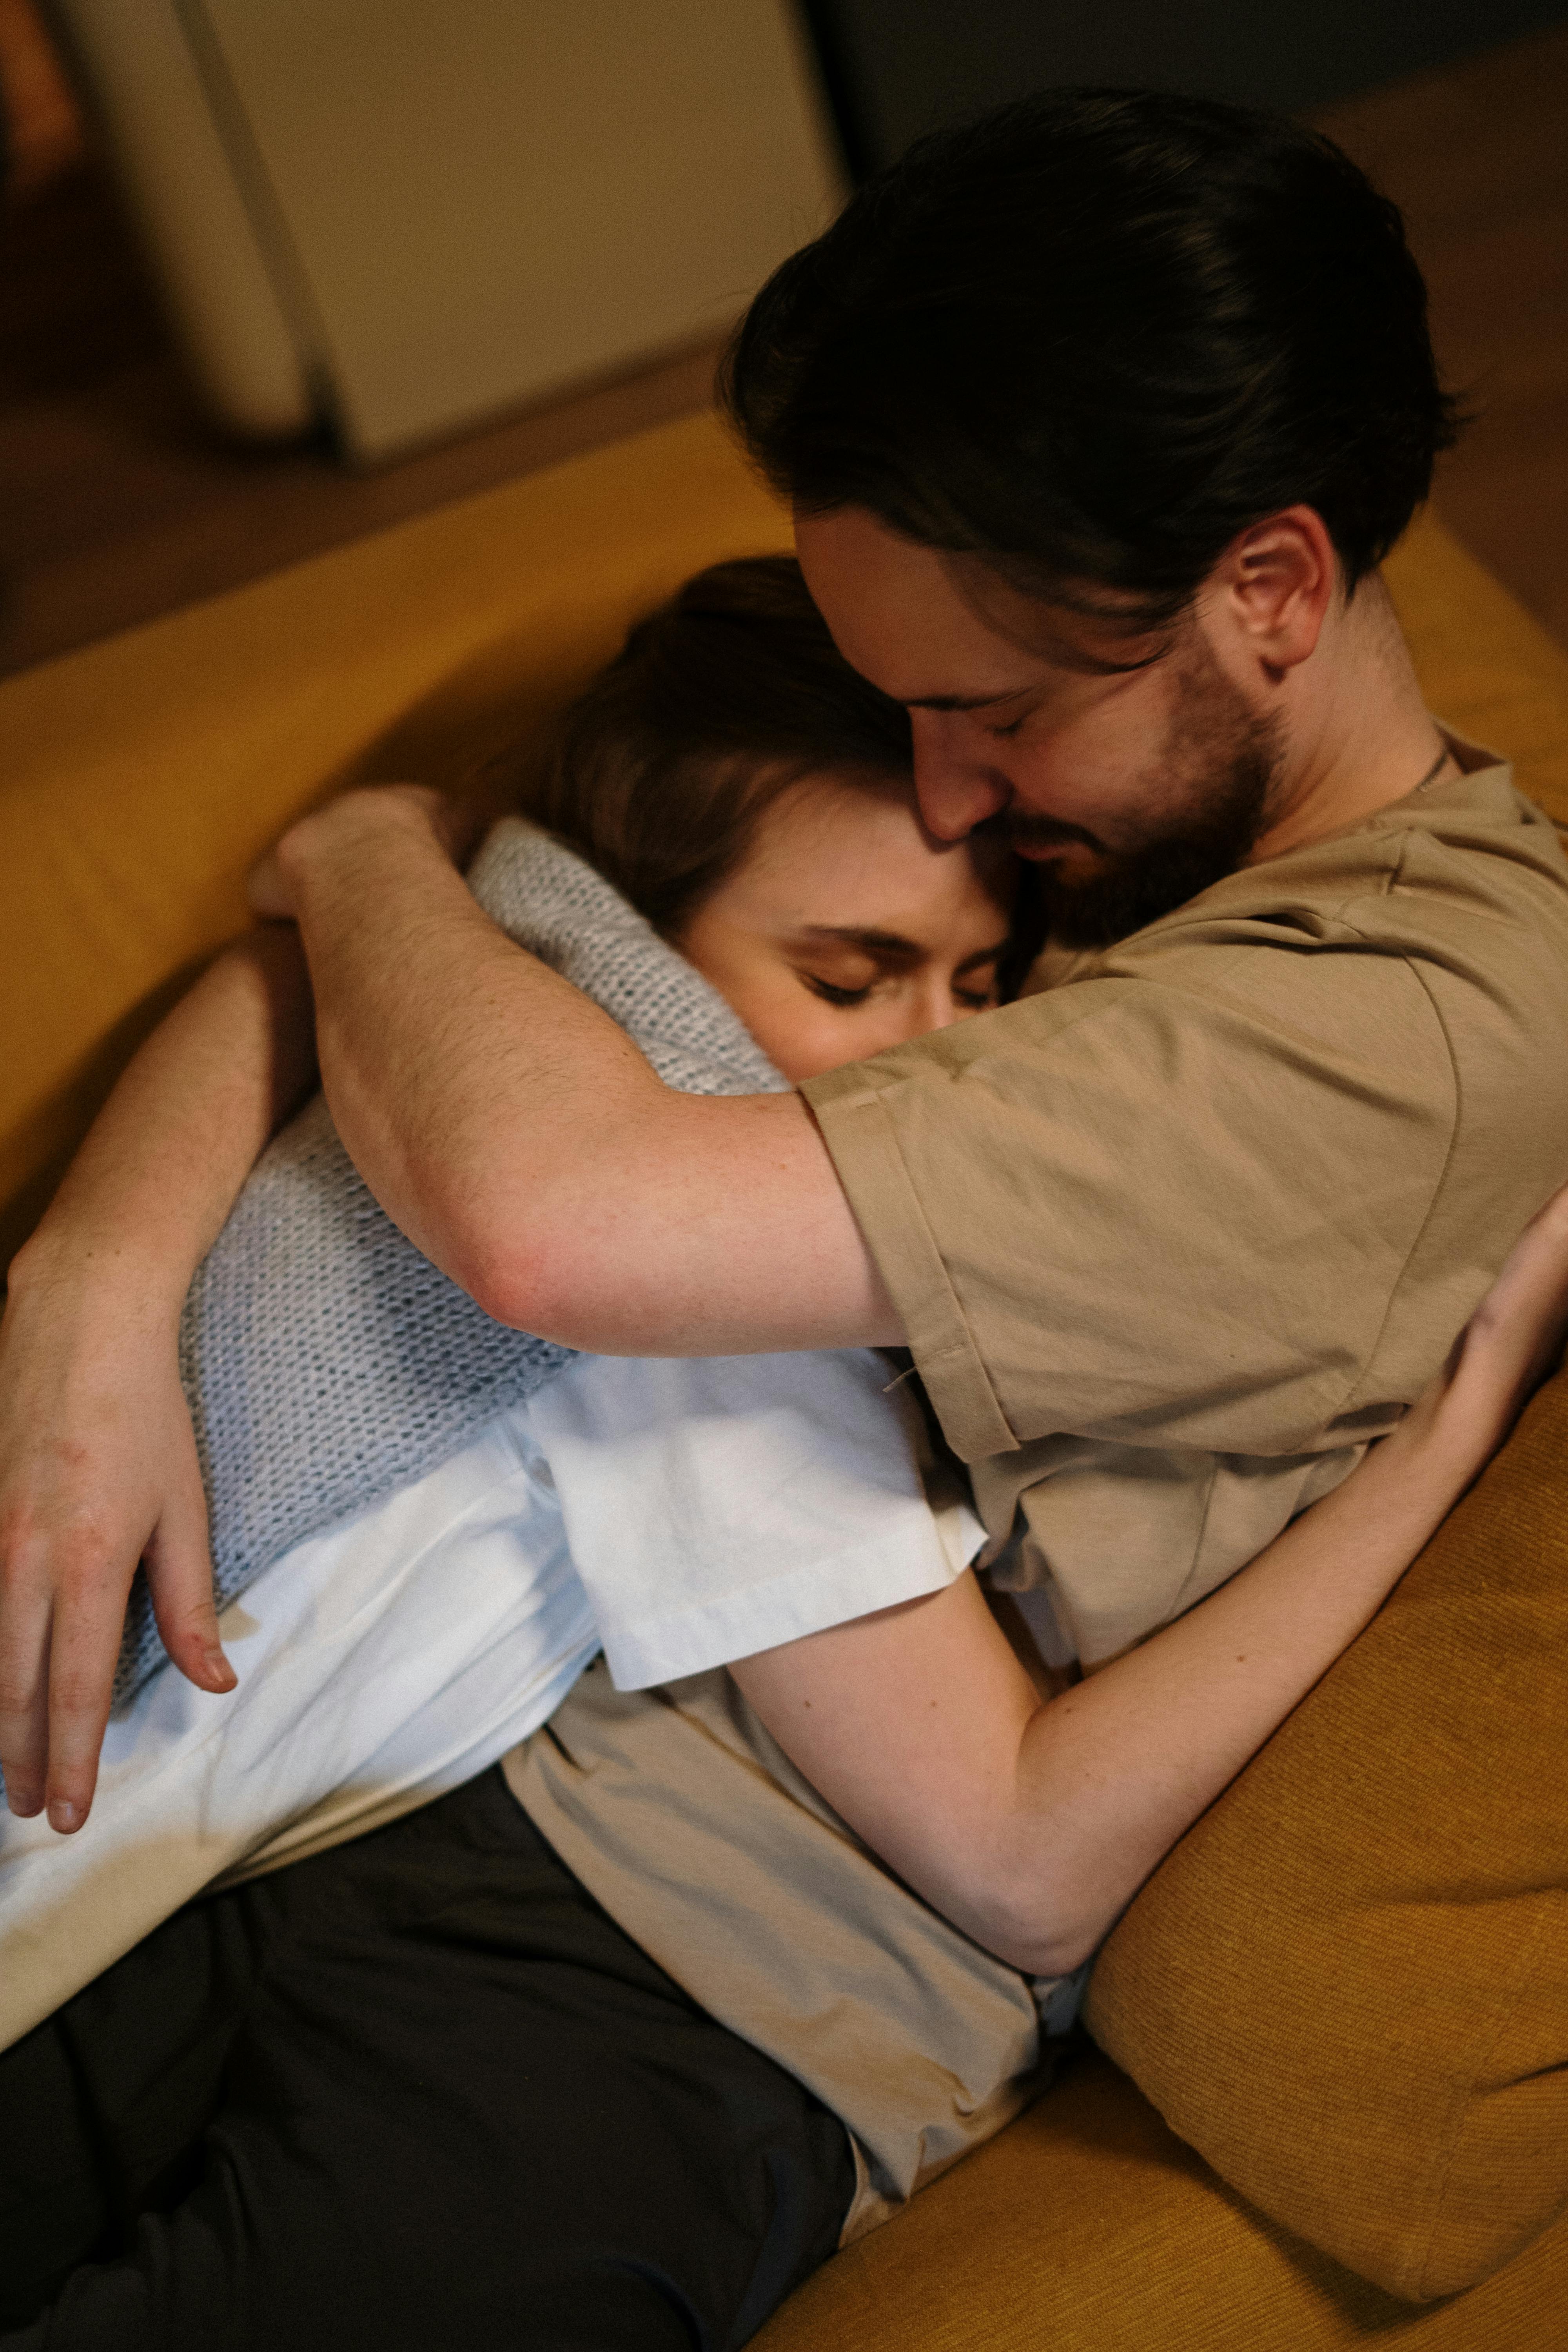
[(1086, 2226), (326, 1361), (141, 776), (1348, 1986), (1485, 666)]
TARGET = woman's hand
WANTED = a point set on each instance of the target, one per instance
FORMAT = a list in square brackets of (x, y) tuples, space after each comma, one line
[(1033, 1825), (1512, 1342), (97, 1463), (98, 1470)]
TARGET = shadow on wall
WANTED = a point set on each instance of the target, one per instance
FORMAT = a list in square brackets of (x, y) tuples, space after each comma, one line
[(896, 67)]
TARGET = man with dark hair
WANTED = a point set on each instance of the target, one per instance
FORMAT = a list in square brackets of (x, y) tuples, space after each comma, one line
[(1098, 419), (1080, 351)]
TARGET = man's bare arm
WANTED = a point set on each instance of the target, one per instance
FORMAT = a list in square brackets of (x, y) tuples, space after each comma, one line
[(523, 1142), (98, 1464), (1032, 1825)]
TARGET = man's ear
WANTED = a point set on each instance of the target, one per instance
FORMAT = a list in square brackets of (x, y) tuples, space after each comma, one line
[(1274, 585)]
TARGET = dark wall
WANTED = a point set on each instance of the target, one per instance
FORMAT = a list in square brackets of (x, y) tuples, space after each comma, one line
[(901, 67)]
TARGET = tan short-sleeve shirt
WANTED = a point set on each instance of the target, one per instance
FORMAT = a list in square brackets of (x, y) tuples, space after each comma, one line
[(1176, 1234), (682, 1816)]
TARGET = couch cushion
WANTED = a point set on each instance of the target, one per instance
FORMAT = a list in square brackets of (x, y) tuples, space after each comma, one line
[(1486, 666), (1088, 2227), (142, 776), (1348, 1986)]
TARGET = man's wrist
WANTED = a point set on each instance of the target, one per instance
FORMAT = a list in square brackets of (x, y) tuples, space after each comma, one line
[(348, 825), (343, 840)]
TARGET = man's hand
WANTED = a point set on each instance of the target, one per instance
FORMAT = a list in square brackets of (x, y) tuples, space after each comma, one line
[(98, 1470), (517, 1138), (271, 884)]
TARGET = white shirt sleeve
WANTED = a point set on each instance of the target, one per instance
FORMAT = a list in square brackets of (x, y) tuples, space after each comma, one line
[(718, 1506)]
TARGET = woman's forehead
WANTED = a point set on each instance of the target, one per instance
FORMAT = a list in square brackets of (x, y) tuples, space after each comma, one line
[(834, 855)]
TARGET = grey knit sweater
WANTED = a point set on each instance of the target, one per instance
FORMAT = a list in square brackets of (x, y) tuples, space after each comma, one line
[(326, 1361)]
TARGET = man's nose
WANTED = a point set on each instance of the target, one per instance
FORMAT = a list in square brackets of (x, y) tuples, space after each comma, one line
[(957, 790)]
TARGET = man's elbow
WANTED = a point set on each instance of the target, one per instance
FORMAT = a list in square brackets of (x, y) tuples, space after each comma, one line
[(537, 1245), (523, 1281), (505, 1253)]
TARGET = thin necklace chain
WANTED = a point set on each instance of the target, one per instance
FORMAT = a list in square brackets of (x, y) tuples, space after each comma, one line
[(1435, 771)]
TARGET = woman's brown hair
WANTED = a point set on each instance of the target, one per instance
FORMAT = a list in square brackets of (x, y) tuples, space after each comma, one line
[(719, 701)]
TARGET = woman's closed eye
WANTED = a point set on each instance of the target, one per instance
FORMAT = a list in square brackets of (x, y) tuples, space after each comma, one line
[(831, 992), (974, 989), (980, 997), (847, 969)]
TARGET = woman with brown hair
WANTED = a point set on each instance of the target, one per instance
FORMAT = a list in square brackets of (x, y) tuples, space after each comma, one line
[(460, 2081), (746, 795)]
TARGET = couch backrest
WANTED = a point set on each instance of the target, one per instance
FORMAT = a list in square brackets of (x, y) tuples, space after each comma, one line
[(1348, 1986), (141, 776)]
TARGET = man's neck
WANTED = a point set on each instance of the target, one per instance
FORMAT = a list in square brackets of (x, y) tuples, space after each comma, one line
[(1360, 735)]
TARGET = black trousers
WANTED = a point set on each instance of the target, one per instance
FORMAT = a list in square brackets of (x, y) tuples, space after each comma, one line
[(419, 2091)]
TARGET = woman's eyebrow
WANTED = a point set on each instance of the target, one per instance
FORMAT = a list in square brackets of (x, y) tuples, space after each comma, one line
[(889, 947)]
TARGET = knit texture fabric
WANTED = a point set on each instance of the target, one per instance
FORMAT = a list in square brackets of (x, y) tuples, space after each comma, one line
[(325, 1360)]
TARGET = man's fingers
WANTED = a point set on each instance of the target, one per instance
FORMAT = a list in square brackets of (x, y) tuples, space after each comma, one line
[(178, 1562), (267, 892)]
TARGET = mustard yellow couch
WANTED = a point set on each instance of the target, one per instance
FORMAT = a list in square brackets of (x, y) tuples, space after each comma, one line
[(1348, 1988)]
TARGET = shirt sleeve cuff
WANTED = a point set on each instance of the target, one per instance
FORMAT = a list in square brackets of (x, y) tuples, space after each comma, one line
[(862, 1140), (906, 1563)]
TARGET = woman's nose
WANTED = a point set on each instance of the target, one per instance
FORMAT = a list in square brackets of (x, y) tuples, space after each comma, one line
[(930, 1005), (956, 789)]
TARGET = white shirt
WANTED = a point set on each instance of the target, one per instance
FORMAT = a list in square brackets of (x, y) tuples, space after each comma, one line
[(685, 1512), (718, 1506)]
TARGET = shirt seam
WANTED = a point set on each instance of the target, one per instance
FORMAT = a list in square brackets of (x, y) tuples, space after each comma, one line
[(963, 1349), (1355, 1393), (953, 1369)]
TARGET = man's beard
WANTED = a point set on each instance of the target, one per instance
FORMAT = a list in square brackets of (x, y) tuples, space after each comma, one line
[(1214, 778)]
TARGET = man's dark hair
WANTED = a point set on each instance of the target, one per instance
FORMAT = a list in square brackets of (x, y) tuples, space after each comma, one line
[(1092, 338)]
